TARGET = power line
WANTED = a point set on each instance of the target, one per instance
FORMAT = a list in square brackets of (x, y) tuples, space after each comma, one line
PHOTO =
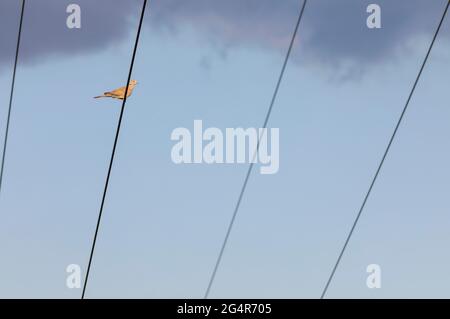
[(385, 153), (13, 82), (114, 147), (250, 169)]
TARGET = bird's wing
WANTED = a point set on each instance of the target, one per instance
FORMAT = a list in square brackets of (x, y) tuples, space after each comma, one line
[(119, 91)]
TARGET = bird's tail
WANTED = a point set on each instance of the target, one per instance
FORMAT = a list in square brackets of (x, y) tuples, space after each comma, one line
[(97, 97)]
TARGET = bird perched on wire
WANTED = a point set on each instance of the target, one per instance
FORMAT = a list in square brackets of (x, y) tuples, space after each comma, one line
[(120, 92)]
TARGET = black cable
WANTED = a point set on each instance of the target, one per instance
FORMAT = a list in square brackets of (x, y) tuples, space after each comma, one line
[(385, 153), (13, 82), (114, 148), (244, 186)]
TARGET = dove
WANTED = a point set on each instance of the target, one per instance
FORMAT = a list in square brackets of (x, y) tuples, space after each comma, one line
[(120, 92)]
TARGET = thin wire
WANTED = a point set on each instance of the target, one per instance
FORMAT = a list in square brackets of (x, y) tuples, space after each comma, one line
[(385, 153), (114, 148), (250, 169), (13, 82)]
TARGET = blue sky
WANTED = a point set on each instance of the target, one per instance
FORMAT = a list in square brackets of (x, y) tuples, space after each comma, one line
[(163, 223)]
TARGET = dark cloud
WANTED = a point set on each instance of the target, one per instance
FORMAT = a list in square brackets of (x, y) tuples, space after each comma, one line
[(104, 23), (338, 35), (333, 31)]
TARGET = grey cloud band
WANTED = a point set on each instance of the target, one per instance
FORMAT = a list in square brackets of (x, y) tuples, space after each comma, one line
[(333, 32)]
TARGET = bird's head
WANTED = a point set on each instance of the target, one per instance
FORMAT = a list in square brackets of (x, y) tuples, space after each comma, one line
[(133, 82)]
